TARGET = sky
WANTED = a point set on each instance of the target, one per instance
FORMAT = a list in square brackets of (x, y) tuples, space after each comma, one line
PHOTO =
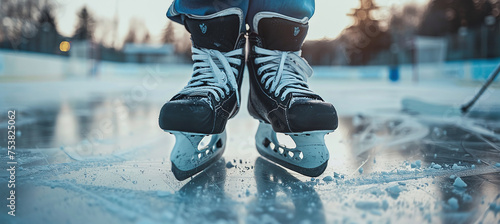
[(328, 21)]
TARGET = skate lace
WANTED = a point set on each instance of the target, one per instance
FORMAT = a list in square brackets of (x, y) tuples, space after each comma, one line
[(213, 72), (282, 69)]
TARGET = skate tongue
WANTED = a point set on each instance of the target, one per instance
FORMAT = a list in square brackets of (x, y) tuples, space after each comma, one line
[(219, 33), (281, 34)]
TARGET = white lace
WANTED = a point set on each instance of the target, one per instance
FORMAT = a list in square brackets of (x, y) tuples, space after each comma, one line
[(283, 69), (213, 73)]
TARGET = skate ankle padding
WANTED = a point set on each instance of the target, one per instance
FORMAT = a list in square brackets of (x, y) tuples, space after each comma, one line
[(218, 33), (279, 32)]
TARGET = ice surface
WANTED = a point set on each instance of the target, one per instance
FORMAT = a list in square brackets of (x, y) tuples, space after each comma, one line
[(91, 152)]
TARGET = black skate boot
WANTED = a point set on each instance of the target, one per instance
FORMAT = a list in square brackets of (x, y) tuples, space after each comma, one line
[(201, 110), (281, 99)]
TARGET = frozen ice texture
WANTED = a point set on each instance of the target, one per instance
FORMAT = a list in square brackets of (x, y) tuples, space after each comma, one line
[(100, 181)]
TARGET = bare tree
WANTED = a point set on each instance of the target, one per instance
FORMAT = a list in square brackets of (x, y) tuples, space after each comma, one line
[(86, 25), (444, 17), (21, 20), (147, 38), (136, 30), (168, 36), (131, 36)]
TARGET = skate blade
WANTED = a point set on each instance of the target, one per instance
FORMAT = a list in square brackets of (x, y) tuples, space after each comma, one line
[(309, 157), (189, 159)]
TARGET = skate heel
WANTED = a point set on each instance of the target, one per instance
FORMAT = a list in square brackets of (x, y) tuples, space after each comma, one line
[(190, 155), (309, 157)]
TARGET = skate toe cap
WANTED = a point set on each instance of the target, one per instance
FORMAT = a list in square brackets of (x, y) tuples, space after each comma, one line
[(187, 115), (312, 115)]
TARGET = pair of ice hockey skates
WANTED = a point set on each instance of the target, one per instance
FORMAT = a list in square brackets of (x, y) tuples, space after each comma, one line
[(279, 95)]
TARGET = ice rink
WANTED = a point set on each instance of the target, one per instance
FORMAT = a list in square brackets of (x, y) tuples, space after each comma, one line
[(89, 150)]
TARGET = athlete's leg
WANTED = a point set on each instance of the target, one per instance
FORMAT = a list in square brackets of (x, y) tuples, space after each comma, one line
[(180, 8), (292, 8)]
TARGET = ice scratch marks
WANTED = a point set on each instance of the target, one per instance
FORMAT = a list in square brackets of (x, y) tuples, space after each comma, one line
[(109, 201), (382, 132), (76, 153)]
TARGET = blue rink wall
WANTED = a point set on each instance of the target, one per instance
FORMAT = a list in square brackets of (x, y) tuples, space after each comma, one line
[(29, 65)]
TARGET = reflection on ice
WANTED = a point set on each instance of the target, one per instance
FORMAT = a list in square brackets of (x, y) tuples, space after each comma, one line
[(283, 198)]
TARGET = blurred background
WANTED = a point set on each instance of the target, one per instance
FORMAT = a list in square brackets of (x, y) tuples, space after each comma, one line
[(381, 39)]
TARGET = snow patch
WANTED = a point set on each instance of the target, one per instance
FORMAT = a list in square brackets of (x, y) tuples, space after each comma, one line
[(459, 183), (453, 203), (495, 207), (417, 164), (372, 205), (229, 165), (436, 166), (467, 198), (457, 167), (394, 191), (328, 178)]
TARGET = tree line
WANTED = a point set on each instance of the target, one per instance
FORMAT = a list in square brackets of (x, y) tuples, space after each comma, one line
[(377, 36)]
